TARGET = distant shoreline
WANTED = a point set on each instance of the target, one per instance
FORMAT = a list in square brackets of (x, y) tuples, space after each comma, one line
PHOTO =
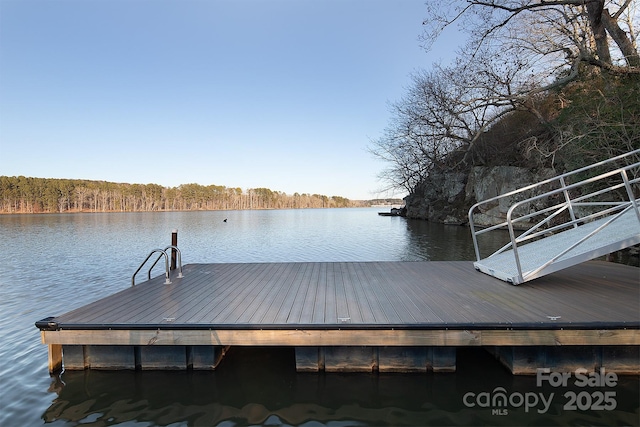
[(29, 195), (75, 212)]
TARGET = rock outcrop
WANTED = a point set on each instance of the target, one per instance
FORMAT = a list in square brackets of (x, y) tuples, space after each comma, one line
[(447, 196)]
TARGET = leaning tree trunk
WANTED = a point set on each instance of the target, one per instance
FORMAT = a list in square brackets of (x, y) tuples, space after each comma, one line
[(621, 39), (595, 10)]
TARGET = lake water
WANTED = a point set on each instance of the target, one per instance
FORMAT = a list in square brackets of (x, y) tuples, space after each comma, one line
[(54, 263)]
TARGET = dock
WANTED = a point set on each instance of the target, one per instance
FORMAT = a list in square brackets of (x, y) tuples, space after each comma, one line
[(358, 316)]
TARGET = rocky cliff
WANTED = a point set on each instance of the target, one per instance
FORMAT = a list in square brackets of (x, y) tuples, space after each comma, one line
[(447, 196)]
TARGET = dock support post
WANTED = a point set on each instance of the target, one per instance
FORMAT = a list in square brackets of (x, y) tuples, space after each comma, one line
[(526, 360), (624, 360), (205, 357), (55, 358), (165, 357), (403, 359), (174, 242), (371, 359), (74, 357), (309, 359), (443, 359), (110, 357), (350, 359)]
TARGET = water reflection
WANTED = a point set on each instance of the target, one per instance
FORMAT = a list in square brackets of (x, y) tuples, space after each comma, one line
[(259, 386), (429, 241)]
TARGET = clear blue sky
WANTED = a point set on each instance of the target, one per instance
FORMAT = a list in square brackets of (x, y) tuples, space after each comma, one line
[(280, 94)]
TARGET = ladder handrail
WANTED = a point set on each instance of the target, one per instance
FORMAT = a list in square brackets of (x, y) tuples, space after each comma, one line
[(180, 276), (569, 204), (166, 263)]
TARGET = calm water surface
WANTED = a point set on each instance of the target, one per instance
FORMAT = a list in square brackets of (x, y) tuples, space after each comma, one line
[(54, 263)]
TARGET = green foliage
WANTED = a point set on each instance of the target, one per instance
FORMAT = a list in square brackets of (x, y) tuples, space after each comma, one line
[(601, 120), (580, 124)]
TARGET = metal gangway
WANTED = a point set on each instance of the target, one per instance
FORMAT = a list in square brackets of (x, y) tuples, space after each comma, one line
[(557, 223)]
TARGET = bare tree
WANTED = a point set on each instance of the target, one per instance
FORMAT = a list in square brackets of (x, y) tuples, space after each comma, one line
[(557, 33), (447, 110), (519, 55)]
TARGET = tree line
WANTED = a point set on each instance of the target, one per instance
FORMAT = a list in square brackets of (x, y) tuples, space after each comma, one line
[(43, 195)]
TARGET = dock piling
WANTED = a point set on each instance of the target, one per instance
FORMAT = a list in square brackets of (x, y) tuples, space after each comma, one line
[(174, 242), (55, 358)]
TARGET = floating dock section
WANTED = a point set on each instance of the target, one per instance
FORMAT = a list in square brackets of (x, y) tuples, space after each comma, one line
[(358, 316)]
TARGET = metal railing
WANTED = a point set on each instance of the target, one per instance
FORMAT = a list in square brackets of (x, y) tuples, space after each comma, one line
[(179, 259), (521, 216), (161, 253)]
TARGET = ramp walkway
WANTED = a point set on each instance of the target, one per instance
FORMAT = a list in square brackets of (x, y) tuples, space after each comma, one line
[(555, 224)]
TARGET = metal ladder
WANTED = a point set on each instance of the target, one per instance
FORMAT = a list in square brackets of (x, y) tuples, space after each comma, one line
[(547, 235), (161, 253)]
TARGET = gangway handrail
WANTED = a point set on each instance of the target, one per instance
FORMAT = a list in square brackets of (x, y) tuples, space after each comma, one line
[(166, 263), (552, 192), (180, 276), (542, 227), (504, 224), (555, 178), (576, 244), (574, 223), (529, 234), (626, 205)]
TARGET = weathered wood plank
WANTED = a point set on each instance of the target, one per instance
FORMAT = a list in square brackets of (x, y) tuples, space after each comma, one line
[(308, 359), (309, 337), (526, 360), (163, 357), (382, 359), (393, 301), (74, 357), (358, 309), (341, 302), (402, 359), (202, 357), (289, 291), (302, 311), (54, 357), (350, 359), (110, 357), (370, 305), (366, 303), (263, 304), (320, 301), (331, 302), (624, 360), (246, 291), (443, 359), (224, 287)]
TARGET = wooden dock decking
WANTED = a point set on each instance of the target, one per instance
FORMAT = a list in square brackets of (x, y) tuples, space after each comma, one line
[(372, 304)]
